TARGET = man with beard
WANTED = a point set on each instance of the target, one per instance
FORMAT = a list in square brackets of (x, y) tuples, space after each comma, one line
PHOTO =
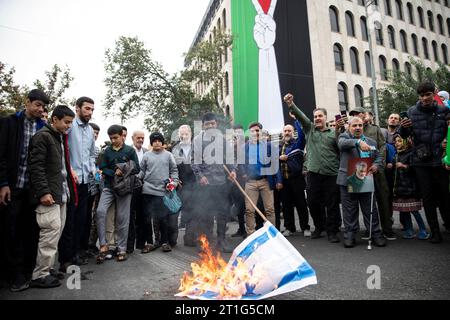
[(353, 144), (323, 167), (213, 185), (381, 185), (73, 244), (293, 182), (393, 125)]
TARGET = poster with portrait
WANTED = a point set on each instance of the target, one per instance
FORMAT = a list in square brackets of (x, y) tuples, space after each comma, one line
[(359, 178)]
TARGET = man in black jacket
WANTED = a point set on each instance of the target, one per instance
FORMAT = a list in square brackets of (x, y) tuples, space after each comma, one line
[(427, 126), (53, 186), (20, 223)]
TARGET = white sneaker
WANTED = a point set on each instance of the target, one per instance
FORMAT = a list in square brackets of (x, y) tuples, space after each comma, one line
[(307, 233), (286, 233)]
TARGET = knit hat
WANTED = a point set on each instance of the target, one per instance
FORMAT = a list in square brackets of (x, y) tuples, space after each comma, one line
[(156, 136), (444, 94)]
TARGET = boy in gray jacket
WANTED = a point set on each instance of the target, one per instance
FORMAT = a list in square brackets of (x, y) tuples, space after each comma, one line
[(157, 167)]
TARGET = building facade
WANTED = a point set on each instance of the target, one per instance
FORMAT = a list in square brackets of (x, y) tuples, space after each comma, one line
[(322, 48)]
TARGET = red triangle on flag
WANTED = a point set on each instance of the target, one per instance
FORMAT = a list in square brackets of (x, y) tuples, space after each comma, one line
[(265, 5)]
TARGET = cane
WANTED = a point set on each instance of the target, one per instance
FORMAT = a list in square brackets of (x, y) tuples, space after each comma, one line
[(245, 194), (369, 246)]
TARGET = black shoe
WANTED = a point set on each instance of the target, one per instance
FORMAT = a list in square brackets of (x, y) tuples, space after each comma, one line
[(333, 238), (80, 261), (349, 243), (316, 234), (365, 235), (20, 283), (46, 282), (379, 242), (56, 274), (390, 235), (436, 237)]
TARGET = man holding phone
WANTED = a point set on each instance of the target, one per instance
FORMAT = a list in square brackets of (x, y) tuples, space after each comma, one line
[(323, 166), (426, 124)]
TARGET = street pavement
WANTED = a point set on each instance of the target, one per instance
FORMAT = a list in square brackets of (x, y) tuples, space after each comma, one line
[(409, 269)]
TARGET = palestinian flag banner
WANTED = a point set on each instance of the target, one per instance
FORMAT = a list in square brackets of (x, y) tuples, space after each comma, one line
[(271, 57)]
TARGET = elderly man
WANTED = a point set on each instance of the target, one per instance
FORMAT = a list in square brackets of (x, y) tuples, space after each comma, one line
[(293, 191), (381, 185), (137, 230), (183, 157), (323, 167), (355, 145)]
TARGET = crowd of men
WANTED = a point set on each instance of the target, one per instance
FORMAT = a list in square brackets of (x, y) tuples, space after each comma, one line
[(61, 196)]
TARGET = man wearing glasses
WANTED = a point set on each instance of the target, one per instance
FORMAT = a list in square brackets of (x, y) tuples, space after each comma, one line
[(426, 124)]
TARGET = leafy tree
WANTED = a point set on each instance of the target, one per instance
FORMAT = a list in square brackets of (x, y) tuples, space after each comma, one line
[(57, 82), (12, 95), (138, 85), (400, 93)]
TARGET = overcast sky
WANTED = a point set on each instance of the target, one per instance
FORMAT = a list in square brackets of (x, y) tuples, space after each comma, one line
[(34, 35)]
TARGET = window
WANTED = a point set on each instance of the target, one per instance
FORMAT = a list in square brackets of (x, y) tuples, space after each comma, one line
[(441, 24), (444, 53), (399, 8), (224, 19), (415, 43), (354, 60), (430, 20), (383, 68), (368, 63), (364, 31), (391, 36), (343, 97), (359, 96), (379, 35), (425, 48), (408, 68), (403, 41), (388, 7), (395, 66), (410, 13), (350, 24), (338, 57), (227, 84), (435, 50), (334, 19), (421, 18)]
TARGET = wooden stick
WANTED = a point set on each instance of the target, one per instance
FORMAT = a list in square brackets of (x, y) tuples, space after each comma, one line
[(245, 194)]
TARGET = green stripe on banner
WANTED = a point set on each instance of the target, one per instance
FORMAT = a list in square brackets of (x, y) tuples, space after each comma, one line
[(245, 62)]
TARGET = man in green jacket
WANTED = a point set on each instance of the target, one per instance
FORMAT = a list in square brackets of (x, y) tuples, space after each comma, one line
[(381, 186), (323, 166)]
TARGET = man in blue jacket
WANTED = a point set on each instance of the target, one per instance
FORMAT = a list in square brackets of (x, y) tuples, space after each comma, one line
[(15, 198), (261, 174)]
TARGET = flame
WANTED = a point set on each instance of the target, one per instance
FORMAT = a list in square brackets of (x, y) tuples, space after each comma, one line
[(212, 274)]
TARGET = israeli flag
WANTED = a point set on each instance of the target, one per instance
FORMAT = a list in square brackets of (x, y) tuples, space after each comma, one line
[(279, 266)]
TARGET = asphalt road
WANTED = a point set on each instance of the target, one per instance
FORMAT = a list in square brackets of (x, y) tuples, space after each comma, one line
[(410, 269)]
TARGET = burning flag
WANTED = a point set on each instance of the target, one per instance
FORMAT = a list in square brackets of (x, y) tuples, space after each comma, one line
[(262, 266)]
